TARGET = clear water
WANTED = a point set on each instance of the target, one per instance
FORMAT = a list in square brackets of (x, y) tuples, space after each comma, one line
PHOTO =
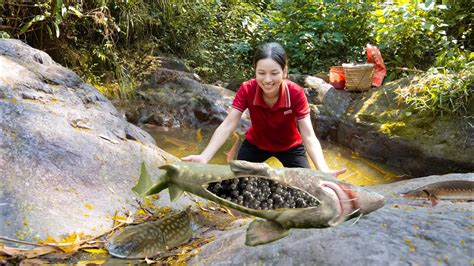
[(360, 171)]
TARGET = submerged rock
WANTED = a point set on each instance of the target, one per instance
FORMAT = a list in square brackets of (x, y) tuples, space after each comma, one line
[(68, 158)]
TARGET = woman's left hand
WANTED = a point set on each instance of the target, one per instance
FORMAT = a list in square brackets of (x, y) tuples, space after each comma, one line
[(337, 172)]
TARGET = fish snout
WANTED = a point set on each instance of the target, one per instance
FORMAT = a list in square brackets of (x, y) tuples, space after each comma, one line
[(356, 201), (369, 201)]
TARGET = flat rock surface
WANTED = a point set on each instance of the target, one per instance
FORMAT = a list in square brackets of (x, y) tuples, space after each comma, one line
[(403, 232)]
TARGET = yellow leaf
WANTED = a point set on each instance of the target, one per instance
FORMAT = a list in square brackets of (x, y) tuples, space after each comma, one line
[(140, 212), (49, 240), (198, 136), (119, 218), (88, 206), (72, 238), (95, 250), (410, 245), (70, 248), (274, 162), (90, 262)]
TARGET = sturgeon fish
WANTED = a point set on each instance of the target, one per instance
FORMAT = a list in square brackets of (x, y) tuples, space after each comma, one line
[(284, 197), (445, 190), (151, 238)]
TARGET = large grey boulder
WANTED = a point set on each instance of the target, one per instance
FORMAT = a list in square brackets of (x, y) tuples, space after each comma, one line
[(175, 98), (381, 127), (68, 158), (378, 126), (327, 106), (403, 232)]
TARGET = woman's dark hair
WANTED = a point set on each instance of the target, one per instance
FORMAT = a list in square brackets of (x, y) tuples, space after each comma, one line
[(271, 50)]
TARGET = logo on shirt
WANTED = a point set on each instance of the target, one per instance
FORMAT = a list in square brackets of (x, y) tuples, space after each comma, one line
[(287, 112)]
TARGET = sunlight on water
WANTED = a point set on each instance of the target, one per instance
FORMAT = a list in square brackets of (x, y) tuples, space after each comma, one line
[(360, 171)]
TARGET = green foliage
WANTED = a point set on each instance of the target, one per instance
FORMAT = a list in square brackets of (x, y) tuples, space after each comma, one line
[(229, 33), (76, 34), (319, 35), (446, 89), (413, 35), (459, 16), (408, 35)]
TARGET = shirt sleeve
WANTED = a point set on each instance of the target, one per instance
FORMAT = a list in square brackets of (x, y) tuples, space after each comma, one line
[(301, 104), (240, 102)]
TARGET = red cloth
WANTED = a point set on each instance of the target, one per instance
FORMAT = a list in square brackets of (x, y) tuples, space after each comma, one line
[(375, 57), (273, 129)]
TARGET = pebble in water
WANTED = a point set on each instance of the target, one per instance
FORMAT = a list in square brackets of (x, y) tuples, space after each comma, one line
[(261, 194)]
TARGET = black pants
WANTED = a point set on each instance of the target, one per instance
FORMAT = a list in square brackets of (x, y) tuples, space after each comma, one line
[(295, 157)]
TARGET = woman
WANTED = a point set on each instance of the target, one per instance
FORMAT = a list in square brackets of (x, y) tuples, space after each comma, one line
[(279, 113)]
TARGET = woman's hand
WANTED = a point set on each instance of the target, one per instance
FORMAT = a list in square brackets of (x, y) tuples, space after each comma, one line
[(195, 158), (336, 172), (221, 134)]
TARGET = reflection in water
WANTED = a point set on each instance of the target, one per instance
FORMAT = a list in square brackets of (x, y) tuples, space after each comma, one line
[(360, 171)]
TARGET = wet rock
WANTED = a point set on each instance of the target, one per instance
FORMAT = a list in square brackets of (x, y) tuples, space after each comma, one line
[(234, 85), (404, 232), (379, 127), (68, 158), (327, 105), (173, 98)]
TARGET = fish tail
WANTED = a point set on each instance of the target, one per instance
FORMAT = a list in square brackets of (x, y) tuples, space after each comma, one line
[(145, 187)]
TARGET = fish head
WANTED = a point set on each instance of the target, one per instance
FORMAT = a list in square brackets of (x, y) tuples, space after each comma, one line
[(122, 250), (348, 201), (131, 242), (338, 201)]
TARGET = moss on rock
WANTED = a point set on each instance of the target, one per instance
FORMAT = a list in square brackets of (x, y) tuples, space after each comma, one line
[(438, 135)]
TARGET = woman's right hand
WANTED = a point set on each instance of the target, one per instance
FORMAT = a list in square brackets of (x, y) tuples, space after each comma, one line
[(195, 158)]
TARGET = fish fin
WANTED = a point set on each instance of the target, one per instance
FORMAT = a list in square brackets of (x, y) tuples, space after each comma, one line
[(240, 168), (263, 231), (145, 187), (434, 200), (175, 192), (144, 182)]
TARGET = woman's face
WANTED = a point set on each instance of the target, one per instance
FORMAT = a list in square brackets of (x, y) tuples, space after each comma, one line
[(269, 75)]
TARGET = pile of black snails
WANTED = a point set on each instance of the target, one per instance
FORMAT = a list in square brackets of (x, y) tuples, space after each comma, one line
[(261, 194)]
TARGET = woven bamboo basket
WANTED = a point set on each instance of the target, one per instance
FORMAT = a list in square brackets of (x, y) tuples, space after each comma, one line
[(358, 76)]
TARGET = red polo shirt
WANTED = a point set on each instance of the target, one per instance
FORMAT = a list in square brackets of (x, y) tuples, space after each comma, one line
[(273, 129)]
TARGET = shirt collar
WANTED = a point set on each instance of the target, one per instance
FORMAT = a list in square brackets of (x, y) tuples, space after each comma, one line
[(283, 99)]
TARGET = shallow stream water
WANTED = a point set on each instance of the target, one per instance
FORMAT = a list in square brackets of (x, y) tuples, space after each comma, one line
[(360, 171)]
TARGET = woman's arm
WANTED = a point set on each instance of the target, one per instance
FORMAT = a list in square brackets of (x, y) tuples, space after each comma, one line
[(219, 137), (313, 147)]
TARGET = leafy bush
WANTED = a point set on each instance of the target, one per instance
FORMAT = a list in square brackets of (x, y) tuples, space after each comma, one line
[(319, 35), (408, 35), (448, 88), (225, 46), (459, 18)]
